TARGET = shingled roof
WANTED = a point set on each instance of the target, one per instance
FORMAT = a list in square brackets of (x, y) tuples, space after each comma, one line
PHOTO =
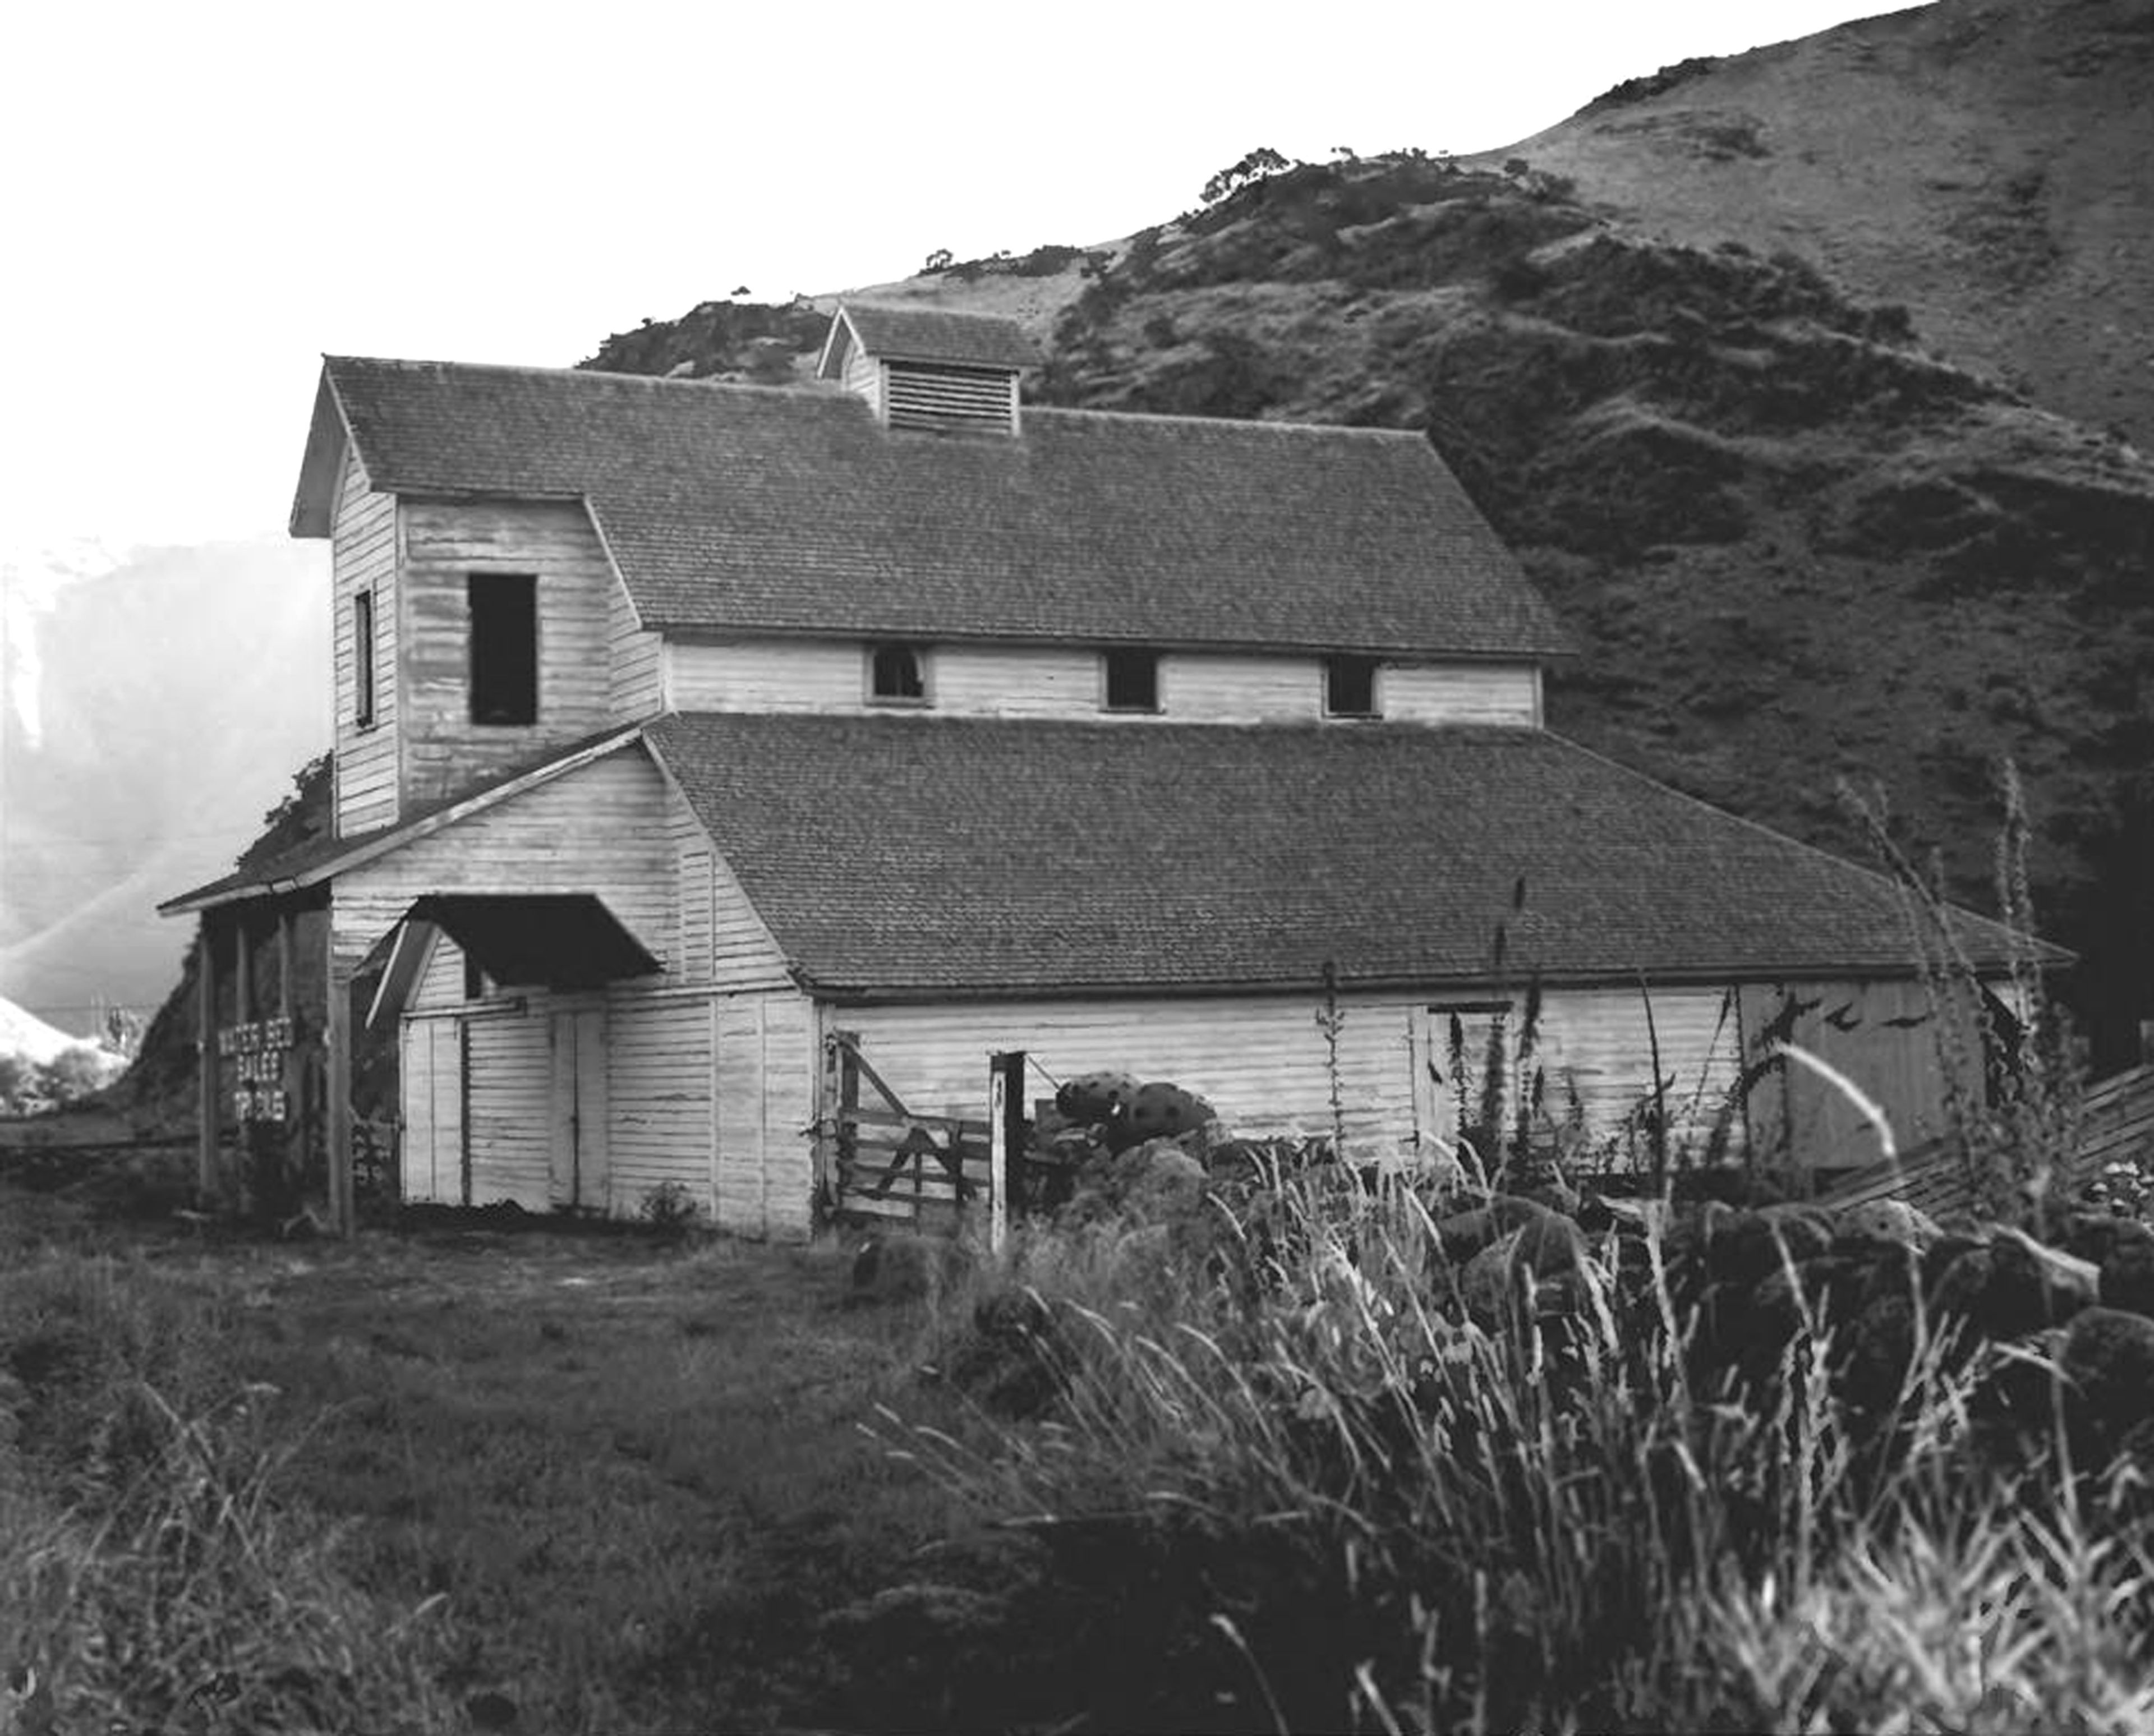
[(745, 509), (937, 334), (923, 855)]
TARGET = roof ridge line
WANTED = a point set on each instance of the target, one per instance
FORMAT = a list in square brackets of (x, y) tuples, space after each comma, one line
[(820, 393), (1288, 425)]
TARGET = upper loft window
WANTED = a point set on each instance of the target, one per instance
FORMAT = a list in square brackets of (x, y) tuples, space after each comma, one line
[(897, 675), (1350, 687), (504, 647), (1131, 680), (362, 651)]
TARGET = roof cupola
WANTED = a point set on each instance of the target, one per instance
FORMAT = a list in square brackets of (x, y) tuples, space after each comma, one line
[(929, 369)]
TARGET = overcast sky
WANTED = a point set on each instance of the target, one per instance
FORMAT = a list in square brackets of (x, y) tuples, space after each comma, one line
[(201, 199)]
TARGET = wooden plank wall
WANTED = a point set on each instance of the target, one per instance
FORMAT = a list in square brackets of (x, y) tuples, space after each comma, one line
[(722, 939), (431, 1067), (1881, 1035), (1460, 693), (826, 676), (363, 557), (661, 1084), (1263, 1061), (766, 1074), (510, 1127), (444, 542), (600, 829), (635, 659)]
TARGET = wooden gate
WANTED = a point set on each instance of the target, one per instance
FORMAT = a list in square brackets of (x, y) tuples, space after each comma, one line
[(883, 1161)]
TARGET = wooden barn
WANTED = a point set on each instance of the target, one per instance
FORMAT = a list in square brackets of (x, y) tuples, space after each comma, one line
[(703, 749)]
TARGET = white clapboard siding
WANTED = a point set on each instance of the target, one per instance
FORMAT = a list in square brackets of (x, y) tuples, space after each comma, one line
[(1882, 1037), (445, 542), (1048, 681), (600, 829), (1223, 689), (509, 1127), (1460, 693), (439, 986), (1262, 1062), (660, 1092), (431, 1069), (765, 1075), (363, 558), (863, 375), (635, 659), (1596, 1047), (720, 939)]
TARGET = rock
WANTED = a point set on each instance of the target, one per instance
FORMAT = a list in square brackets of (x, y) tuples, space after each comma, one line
[(1878, 1347), (1887, 1220), (1549, 1246), (2108, 1356), (2126, 1270), (905, 1266), (1464, 1234), (1746, 1246), (1489, 1285)]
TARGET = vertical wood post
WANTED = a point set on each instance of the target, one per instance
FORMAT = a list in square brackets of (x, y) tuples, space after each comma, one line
[(1005, 1139), (207, 1117), (336, 1034), (288, 1009)]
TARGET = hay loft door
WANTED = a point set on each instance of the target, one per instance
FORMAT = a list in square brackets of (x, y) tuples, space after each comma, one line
[(579, 1170)]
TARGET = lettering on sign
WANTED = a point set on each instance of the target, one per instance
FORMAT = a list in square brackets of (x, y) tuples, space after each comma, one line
[(257, 1052)]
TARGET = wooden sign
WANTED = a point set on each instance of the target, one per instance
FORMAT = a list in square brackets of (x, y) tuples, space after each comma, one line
[(257, 1051)]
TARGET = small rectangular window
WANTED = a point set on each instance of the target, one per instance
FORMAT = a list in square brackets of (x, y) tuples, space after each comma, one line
[(504, 647), (897, 675), (362, 633), (1350, 687), (1132, 680)]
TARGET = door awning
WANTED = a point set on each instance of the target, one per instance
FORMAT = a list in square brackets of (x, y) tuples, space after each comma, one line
[(548, 940)]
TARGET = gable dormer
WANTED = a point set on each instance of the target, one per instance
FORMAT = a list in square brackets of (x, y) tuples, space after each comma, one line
[(929, 369)]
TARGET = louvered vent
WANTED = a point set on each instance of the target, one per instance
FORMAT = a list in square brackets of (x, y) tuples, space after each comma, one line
[(947, 398)]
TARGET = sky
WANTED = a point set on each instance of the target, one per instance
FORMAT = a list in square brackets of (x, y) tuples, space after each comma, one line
[(203, 199)]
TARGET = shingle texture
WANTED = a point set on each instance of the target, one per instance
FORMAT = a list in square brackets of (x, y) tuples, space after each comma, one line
[(733, 509), (916, 334), (958, 854)]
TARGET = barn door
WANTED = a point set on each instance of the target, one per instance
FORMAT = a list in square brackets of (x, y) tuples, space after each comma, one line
[(579, 1170), (1459, 1052), (434, 1171)]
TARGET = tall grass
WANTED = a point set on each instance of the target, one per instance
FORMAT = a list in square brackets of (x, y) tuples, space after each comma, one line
[(152, 1576), (1315, 1495)]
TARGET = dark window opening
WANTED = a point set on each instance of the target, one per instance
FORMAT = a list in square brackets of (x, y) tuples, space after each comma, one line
[(504, 647), (362, 633), (898, 672), (1132, 680), (1350, 687)]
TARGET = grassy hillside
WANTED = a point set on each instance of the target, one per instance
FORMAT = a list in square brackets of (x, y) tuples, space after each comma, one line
[(1991, 165), (1797, 546)]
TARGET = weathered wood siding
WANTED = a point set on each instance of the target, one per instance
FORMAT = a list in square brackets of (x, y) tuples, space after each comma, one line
[(439, 986), (1222, 689), (635, 659), (431, 1074), (765, 1076), (660, 1079), (509, 1133), (1012, 681), (1264, 1061), (1460, 693), (1882, 1036), (600, 829), (444, 543), (363, 558), (721, 940)]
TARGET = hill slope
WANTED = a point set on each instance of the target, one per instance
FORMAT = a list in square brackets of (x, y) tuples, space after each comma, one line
[(1990, 165)]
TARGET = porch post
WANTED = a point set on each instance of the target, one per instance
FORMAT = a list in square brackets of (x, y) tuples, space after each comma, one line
[(207, 1115), (336, 1036), (288, 1009)]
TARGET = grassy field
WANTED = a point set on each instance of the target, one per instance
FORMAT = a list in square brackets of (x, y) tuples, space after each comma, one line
[(598, 1481)]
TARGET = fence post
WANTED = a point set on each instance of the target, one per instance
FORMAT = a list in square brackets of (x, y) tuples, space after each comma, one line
[(1005, 1139)]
